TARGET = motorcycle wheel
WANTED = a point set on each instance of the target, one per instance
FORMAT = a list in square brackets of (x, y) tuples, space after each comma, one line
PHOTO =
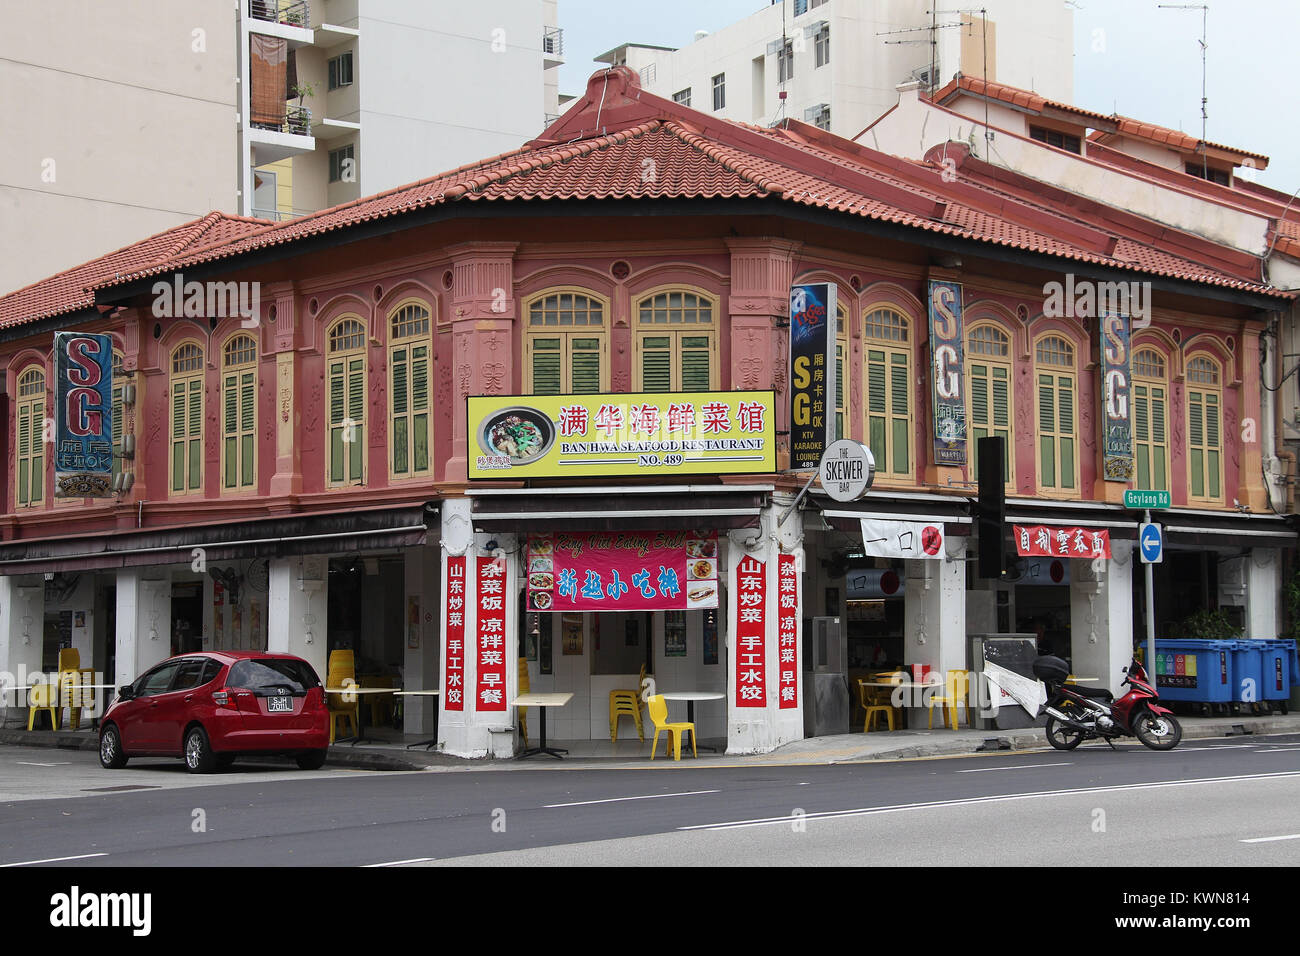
[(1157, 731), (1062, 737)]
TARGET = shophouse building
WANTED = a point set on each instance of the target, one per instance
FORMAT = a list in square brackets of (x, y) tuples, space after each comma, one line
[(320, 475)]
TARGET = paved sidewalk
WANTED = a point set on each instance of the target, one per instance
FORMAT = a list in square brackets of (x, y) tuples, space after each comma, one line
[(840, 748)]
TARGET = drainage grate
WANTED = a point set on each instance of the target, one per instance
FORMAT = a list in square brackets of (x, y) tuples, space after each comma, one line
[(129, 786)]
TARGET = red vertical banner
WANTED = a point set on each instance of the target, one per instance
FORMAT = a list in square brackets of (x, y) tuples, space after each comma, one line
[(453, 683), (751, 625), (491, 691), (787, 629)]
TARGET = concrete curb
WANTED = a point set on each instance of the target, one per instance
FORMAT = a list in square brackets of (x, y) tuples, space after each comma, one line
[(816, 751)]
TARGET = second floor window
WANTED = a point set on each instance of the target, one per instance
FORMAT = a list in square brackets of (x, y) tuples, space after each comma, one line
[(720, 91), (1057, 388), (1150, 420), (887, 378), (1052, 137), (340, 71), (785, 62), (822, 45), (676, 343), (683, 97), (239, 414), (564, 344), (29, 426), (346, 380), (187, 419), (343, 164), (1204, 438), (410, 399)]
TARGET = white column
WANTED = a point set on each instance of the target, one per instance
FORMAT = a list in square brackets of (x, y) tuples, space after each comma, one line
[(22, 630), (297, 614), (144, 621), (763, 729), (934, 616), (1263, 593), (420, 663), (471, 732), (1101, 614)]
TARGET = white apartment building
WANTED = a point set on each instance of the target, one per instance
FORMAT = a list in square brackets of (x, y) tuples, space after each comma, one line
[(375, 93), (838, 62), (124, 119)]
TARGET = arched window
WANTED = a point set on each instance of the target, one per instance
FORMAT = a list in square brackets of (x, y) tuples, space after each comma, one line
[(564, 343), (1057, 380), (887, 387), (988, 375), (29, 428), (410, 395), (1150, 420), (676, 342), (1204, 429), (186, 464), (346, 377), (239, 413)]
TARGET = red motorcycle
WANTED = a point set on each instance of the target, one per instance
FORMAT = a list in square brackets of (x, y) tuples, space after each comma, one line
[(1076, 714)]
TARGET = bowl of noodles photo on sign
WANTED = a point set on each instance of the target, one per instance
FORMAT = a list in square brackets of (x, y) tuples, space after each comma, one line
[(521, 434)]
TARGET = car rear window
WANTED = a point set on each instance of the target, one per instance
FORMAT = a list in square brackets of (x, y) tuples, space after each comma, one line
[(266, 676)]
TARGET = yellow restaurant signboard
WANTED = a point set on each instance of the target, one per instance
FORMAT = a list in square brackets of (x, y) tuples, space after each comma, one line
[(664, 433)]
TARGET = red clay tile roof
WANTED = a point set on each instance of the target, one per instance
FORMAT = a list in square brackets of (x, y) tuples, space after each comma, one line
[(1163, 136), (1014, 96), (71, 289), (619, 142)]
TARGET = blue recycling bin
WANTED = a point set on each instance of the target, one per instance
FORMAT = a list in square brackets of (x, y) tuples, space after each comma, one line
[(1278, 668), (1196, 671)]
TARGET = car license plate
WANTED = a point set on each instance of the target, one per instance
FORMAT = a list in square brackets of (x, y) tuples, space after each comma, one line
[(279, 705)]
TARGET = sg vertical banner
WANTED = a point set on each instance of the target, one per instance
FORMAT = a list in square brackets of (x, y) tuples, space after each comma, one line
[(83, 439), (1117, 429), (812, 370), (946, 371)]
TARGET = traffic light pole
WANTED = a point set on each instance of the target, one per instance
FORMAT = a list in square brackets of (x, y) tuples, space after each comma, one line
[(1151, 616)]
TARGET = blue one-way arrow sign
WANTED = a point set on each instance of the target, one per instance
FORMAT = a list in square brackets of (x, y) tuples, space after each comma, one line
[(1151, 542)]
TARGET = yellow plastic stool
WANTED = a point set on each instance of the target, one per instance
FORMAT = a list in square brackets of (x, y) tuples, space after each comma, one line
[(42, 697)]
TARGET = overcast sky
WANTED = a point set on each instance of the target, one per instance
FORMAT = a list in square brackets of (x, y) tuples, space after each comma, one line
[(1130, 57)]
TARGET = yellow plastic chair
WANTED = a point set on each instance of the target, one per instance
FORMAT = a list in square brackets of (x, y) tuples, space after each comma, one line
[(624, 702), (75, 693), (658, 708), (956, 691), (523, 689), (342, 668), (42, 697), (69, 659), (874, 701)]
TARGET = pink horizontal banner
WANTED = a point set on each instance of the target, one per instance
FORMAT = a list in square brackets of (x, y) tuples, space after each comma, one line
[(622, 571)]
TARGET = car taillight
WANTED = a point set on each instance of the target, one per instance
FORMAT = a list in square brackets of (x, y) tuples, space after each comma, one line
[(223, 698)]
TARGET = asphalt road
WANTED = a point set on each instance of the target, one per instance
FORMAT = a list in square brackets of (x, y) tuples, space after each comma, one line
[(1221, 802)]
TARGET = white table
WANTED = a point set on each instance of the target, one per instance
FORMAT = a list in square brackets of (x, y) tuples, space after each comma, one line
[(543, 701), (691, 696), (423, 693)]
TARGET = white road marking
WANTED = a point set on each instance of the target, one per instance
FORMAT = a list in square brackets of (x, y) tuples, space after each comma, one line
[(57, 859), (26, 763), (1290, 836), (418, 859), (649, 796), (939, 804), (1279, 750), (1029, 766)]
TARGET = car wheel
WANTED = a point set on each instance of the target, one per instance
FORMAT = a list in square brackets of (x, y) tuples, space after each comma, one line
[(111, 756), (199, 757), (311, 759)]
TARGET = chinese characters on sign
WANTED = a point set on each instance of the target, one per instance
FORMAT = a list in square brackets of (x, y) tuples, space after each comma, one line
[(572, 436), (491, 587), (1117, 433), (812, 373), (453, 691), (946, 371), (1043, 541), (83, 450), (787, 629), (622, 571), (882, 538), (751, 623)]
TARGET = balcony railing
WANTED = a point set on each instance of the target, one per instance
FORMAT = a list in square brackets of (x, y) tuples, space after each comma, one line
[(553, 41), (297, 120), (295, 14)]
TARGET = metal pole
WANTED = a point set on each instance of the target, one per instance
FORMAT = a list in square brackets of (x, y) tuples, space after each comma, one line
[(1151, 615)]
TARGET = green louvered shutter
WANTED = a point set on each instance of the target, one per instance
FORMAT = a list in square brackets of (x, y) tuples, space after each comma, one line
[(420, 407), (1065, 400), (247, 427), (697, 359), (118, 414), (1212, 444), (24, 453), (356, 412), (876, 408), (337, 412), (1046, 423), (1159, 449), (401, 407), (584, 365), (656, 363), (230, 423), (1196, 441), (547, 359), (178, 436), (899, 401)]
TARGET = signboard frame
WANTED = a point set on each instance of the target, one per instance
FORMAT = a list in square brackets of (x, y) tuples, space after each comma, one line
[(813, 307)]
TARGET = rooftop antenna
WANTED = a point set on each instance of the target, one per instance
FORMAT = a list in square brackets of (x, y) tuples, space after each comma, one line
[(1205, 15), (933, 29)]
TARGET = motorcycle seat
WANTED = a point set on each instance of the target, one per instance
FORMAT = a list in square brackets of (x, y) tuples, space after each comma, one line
[(1095, 693)]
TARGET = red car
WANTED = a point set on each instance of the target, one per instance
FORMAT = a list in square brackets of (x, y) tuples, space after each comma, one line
[(213, 706)]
